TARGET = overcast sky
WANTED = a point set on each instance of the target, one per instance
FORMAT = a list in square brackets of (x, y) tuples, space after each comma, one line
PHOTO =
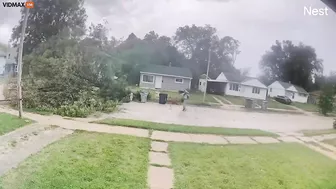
[(255, 23)]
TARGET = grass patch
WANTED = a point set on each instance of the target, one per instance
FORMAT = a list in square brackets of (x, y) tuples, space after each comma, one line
[(277, 105), (9, 123), (221, 98), (306, 107), (184, 128), (84, 160), (197, 98), (318, 132), (236, 100), (276, 166)]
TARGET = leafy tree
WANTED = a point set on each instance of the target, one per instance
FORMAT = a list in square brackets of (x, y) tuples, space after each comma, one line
[(73, 77), (287, 62), (49, 18), (135, 53), (230, 47), (195, 41), (326, 99)]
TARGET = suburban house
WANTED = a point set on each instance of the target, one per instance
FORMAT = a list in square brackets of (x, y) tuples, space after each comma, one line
[(202, 82), (2, 62), (295, 93), (11, 63), (235, 85), (165, 78)]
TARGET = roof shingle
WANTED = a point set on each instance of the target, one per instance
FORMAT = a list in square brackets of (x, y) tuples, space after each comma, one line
[(167, 70), (287, 85)]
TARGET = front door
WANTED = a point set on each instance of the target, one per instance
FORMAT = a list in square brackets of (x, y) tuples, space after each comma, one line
[(158, 82)]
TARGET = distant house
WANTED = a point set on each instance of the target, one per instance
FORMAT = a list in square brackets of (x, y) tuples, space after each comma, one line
[(295, 93), (235, 85), (202, 82), (165, 78), (2, 62), (11, 63)]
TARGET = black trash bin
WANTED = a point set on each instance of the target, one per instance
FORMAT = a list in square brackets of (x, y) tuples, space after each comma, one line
[(163, 97)]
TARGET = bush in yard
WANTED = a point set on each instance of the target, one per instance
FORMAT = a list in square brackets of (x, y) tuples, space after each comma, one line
[(326, 100), (71, 77)]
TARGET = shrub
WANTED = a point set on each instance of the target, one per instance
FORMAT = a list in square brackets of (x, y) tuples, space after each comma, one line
[(326, 100)]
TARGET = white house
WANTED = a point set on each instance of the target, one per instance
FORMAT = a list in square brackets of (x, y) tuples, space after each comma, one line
[(235, 85), (2, 62), (166, 78), (295, 93)]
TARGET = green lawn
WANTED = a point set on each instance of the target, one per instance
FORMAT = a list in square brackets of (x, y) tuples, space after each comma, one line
[(306, 107), (278, 105), (9, 123), (84, 160), (196, 98), (236, 100), (318, 132), (184, 128), (274, 166)]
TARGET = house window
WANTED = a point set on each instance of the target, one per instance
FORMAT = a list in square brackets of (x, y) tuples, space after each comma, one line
[(234, 87), (178, 80), (303, 94), (148, 78), (15, 68), (256, 90), (200, 83)]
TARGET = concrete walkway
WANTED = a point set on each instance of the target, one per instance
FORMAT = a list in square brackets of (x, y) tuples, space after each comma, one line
[(165, 136), (21, 143), (223, 117), (160, 172)]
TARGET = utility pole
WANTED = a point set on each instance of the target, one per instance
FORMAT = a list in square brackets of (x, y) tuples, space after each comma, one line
[(19, 66), (207, 75)]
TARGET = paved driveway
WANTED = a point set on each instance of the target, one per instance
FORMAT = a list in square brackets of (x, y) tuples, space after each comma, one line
[(201, 116)]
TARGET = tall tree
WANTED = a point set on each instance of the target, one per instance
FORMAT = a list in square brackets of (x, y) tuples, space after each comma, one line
[(49, 18), (230, 48), (195, 41), (288, 62)]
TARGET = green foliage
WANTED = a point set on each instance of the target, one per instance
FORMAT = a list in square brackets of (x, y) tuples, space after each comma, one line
[(289, 62), (72, 78), (49, 18), (195, 43), (326, 100)]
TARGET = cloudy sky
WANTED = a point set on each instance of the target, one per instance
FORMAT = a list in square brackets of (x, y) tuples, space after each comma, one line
[(255, 23)]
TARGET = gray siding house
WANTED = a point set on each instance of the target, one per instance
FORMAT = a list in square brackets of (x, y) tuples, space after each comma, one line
[(165, 78)]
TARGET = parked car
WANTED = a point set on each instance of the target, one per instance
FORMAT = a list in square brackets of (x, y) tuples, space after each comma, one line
[(283, 99)]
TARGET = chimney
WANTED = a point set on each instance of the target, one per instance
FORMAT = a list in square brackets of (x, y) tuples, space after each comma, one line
[(289, 82), (169, 64)]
